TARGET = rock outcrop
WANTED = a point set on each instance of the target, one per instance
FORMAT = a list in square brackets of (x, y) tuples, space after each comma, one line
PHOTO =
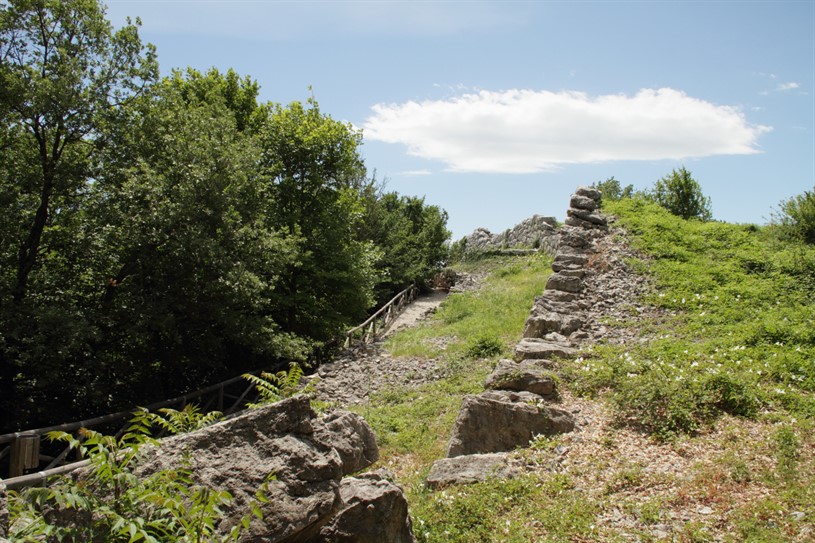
[(308, 457), (535, 232)]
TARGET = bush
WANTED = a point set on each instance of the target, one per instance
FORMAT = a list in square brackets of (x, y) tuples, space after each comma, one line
[(795, 218), (682, 195), (484, 347)]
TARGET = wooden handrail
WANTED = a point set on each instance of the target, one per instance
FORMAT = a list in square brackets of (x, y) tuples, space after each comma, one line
[(381, 310), (53, 468), (387, 310), (73, 426)]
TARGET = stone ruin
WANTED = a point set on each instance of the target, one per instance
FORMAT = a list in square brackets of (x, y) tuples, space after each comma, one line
[(536, 232), (315, 496), (520, 402)]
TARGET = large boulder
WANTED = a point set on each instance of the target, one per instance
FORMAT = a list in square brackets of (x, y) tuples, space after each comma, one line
[(499, 420), (283, 447), (583, 202), (592, 217), (589, 192), (373, 510), (564, 283), (528, 375), (471, 468)]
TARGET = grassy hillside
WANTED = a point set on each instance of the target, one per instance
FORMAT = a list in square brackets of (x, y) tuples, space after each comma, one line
[(701, 430)]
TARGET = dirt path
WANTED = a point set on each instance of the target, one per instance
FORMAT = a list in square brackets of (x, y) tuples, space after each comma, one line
[(351, 378), (416, 311)]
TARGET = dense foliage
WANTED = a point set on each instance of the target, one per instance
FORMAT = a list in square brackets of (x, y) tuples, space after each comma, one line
[(158, 234)]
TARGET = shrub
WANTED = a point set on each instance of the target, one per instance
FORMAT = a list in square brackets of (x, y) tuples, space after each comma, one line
[(795, 218), (682, 195), (484, 347)]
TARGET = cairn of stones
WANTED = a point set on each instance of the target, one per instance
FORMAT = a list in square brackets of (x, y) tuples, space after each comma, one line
[(520, 402)]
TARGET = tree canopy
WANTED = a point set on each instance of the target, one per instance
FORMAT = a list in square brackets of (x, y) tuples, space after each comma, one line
[(159, 234)]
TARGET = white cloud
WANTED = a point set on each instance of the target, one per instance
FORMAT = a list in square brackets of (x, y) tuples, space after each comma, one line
[(415, 173), (524, 131), (787, 86)]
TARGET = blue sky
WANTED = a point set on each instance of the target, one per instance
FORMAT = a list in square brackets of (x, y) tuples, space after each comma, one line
[(496, 111)]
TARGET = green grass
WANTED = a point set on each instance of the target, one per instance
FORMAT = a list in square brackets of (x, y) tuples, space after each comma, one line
[(724, 382), (493, 315), (739, 336), (468, 333)]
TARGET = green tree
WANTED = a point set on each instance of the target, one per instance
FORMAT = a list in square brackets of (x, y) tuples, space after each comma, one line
[(62, 67), (682, 195), (314, 170), (63, 70), (612, 190), (411, 235), (194, 259)]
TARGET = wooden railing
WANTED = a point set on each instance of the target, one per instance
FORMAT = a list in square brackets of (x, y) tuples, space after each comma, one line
[(368, 331), (28, 450)]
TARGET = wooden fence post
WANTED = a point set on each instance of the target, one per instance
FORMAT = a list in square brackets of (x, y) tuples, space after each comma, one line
[(25, 454)]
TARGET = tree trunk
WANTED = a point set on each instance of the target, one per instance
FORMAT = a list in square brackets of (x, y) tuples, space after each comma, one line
[(29, 248)]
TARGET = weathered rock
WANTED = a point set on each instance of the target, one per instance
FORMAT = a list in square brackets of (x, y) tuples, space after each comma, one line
[(588, 216), (565, 259), (559, 296), (558, 339), (583, 202), (471, 468), (580, 223), (573, 237), (373, 510), (536, 349), (529, 375), (558, 281), (580, 273), (500, 420), (543, 305), (536, 231), (352, 438), (589, 192), (286, 440), (538, 325)]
